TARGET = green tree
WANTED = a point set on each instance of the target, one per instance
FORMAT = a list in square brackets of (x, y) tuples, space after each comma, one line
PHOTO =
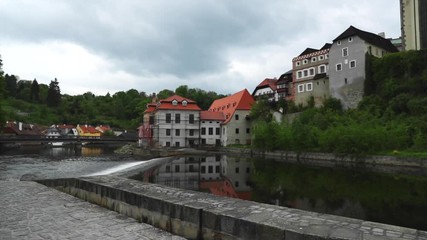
[(2, 96), (53, 94), (35, 91), (11, 85)]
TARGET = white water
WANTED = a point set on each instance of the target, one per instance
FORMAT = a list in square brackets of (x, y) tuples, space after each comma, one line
[(122, 167)]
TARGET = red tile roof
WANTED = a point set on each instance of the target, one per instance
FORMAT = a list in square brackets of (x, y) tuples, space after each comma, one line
[(215, 116), (88, 129), (150, 108), (167, 104), (65, 126), (268, 82), (242, 100)]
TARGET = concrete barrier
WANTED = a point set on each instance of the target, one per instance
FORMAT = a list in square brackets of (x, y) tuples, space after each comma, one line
[(196, 215)]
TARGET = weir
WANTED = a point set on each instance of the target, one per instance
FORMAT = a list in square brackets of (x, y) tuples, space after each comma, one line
[(196, 215)]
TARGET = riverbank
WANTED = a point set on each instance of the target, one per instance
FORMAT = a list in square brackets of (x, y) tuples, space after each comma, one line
[(388, 164)]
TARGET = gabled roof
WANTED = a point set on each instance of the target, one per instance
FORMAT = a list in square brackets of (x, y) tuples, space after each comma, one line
[(326, 46), (214, 116), (308, 51), (268, 82), (167, 104), (87, 129), (242, 100), (150, 108), (371, 38), (285, 77)]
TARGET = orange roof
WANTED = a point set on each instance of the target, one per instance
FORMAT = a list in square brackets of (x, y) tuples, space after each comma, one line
[(268, 82), (150, 108), (167, 104), (242, 100), (88, 129), (216, 116), (103, 128)]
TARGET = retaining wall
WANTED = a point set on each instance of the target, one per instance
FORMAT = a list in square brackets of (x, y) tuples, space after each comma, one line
[(197, 215)]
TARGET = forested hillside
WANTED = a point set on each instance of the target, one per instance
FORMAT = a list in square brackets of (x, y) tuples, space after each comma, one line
[(391, 118)]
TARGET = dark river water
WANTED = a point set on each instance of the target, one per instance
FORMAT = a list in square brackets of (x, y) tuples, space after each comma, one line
[(396, 199)]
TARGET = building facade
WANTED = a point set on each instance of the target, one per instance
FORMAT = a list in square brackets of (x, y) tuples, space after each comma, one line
[(176, 123), (347, 57), (310, 76), (413, 15), (210, 127), (236, 128)]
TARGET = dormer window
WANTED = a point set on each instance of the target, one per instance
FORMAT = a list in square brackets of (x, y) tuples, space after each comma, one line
[(174, 102), (184, 103)]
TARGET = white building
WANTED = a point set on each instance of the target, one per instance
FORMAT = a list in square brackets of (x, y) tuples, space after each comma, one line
[(210, 127)]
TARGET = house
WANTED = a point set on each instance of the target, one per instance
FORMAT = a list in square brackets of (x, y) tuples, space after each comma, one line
[(236, 128), (347, 57), (268, 89), (413, 14), (67, 130), (284, 86), (176, 122), (145, 130), (210, 127), (13, 128), (104, 129), (310, 76), (87, 131)]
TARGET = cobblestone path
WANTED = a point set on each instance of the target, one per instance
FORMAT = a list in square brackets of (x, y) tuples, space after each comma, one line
[(29, 210)]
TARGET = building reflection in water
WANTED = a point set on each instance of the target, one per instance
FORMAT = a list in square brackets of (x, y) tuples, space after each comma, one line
[(220, 175)]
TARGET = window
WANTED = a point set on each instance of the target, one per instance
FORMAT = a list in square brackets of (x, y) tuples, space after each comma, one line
[(203, 131), (191, 132), (210, 131), (248, 130), (237, 131), (168, 118), (298, 63), (176, 168), (177, 132), (191, 119), (322, 69), (168, 144), (313, 59), (353, 64), (301, 88), (339, 42), (168, 168), (176, 144), (203, 169), (236, 183), (299, 74), (174, 102), (217, 169), (184, 103), (350, 39), (309, 86), (311, 71), (338, 67), (218, 131), (306, 73), (327, 56), (236, 117), (305, 61), (237, 170), (168, 132), (321, 57), (345, 52), (210, 169), (177, 118), (345, 80)]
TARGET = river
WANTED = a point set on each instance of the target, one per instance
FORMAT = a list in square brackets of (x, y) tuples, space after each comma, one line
[(396, 199)]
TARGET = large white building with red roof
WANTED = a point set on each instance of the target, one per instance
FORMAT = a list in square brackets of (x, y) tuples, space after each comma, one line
[(174, 123), (236, 128)]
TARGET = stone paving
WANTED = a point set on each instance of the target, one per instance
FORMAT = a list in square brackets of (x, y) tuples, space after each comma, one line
[(29, 210)]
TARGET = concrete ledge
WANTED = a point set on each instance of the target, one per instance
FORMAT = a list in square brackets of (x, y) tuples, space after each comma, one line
[(197, 215)]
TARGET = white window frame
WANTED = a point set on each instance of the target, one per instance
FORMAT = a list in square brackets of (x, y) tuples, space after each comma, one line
[(313, 59), (340, 67), (300, 88), (174, 102), (305, 73), (321, 57), (299, 74), (350, 39), (305, 61), (298, 63), (311, 69), (309, 87), (352, 61), (344, 50), (327, 56), (319, 68), (339, 42)]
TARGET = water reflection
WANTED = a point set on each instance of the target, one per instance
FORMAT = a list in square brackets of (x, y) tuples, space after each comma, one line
[(388, 198), (220, 175)]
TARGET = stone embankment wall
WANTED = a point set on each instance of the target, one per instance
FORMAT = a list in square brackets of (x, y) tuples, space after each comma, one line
[(197, 215), (391, 164)]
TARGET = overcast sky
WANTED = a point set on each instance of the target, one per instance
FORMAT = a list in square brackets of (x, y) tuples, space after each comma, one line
[(215, 45)]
